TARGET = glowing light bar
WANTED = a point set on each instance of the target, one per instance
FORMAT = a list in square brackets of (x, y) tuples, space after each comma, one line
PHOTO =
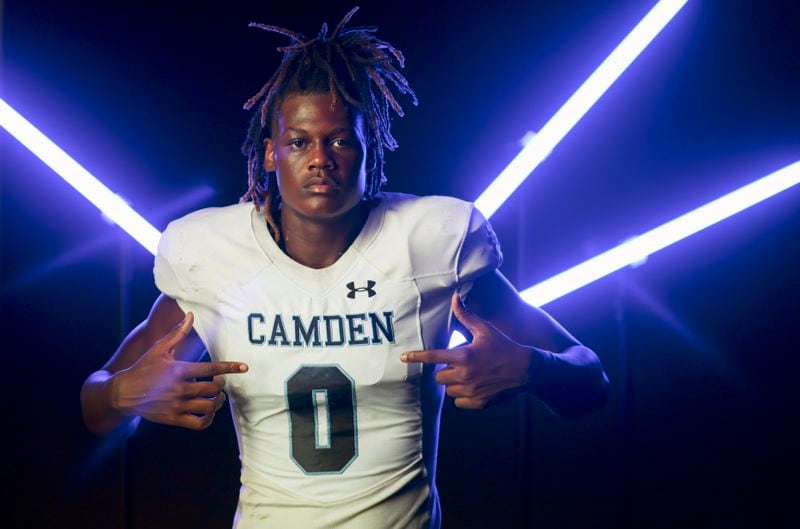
[(638, 248), (110, 204), (576, 106)]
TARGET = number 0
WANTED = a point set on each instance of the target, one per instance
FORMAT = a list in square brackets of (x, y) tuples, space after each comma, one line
[(322, 419)]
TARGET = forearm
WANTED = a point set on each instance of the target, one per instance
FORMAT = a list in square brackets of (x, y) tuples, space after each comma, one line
[(571, 383), (98, 403)]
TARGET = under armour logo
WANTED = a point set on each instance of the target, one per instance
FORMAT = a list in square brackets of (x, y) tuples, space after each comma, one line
[(368, 289)]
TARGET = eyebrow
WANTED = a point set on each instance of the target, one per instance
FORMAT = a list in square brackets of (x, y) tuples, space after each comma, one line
[(334, 131)]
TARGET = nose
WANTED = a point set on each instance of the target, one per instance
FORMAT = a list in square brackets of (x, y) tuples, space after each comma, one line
[(320, 157)]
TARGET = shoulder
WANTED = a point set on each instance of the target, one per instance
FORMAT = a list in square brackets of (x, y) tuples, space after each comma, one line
[(425, 208), (431, 218), (204, 229), (421, 235), (215, 219), (207, 246)]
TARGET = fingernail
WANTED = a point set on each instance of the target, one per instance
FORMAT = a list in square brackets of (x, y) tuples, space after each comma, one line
[(243, 368), (404, 357)]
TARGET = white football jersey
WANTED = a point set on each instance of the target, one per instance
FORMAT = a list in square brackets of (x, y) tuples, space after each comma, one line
[(333, 429)]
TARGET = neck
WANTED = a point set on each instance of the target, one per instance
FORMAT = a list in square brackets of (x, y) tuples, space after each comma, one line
[(319, 244)]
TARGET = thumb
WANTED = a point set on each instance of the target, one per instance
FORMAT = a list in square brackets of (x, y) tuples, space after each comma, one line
[(474, 323), (178, 333)]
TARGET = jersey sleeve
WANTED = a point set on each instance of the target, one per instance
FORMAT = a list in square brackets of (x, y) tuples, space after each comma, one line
[(172, 271), (165, 277), (479, 253)]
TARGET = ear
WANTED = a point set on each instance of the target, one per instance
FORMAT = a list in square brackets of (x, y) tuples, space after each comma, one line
[(269, 155)]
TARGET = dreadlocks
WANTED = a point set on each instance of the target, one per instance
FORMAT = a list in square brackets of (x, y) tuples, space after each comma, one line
[(347, 64)]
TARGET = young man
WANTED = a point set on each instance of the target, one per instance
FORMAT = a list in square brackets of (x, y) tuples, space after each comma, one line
[(326, 307)]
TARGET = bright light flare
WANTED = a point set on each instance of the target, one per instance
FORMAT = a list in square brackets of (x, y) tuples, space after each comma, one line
[(638, 248), (577, 106), (109, 203)]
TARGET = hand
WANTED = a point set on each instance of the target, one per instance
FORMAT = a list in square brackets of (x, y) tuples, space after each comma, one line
[(164, 390), (481, 370)]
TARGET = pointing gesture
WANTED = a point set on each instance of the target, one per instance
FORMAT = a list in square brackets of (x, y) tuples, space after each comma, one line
[(477, 372), (164, 390)]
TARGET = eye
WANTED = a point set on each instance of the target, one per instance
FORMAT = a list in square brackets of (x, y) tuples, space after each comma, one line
[(341, 142), (297, 143)]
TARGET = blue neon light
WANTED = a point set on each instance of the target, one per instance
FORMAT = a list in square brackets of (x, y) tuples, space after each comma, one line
[(543, 143), (109, 203)]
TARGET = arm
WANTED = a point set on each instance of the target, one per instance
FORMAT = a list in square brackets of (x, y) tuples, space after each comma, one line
[(516, 346), (152, 375), (563, 373)]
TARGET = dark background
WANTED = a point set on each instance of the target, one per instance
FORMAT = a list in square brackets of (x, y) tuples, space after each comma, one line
[(700, 342)]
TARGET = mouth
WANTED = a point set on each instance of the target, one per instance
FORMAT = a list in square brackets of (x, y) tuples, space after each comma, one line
[(322, 185)]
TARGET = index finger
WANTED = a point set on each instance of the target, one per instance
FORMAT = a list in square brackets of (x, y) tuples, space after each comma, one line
[(433, 356), (211, 369)]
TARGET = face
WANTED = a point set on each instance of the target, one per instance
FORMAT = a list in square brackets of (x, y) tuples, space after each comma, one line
[(318, 155)]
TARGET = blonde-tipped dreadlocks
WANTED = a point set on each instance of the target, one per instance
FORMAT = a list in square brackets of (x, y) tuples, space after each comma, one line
[(346, 64)]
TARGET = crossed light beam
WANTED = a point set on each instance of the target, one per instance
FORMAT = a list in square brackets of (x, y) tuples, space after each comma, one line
[(115, 208), (495, 195)]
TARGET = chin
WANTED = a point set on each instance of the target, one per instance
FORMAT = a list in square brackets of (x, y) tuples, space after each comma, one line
[(324, 209)]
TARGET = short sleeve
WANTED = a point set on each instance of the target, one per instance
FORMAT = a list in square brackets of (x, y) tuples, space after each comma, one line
[(480, 251), (165, 277), (202, 255), (170, 274)]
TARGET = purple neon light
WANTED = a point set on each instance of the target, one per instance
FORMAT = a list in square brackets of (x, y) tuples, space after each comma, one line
[(632, 251), (579, 103), (109, 203), (638, 248)]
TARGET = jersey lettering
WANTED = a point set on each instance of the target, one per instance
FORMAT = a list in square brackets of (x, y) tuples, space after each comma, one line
[(278, 330), (359, 329), (306, 333)]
